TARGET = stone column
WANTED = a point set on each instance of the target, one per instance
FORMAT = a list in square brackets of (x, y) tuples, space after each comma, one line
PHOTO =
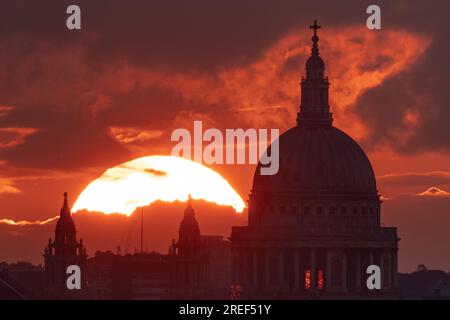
[(344, 271), (313, 269), (296, 270), (358, 271), (244, 264), (267, 271), (242, 267), (187, 274), (238, 266), (394, 271), (193, 273), (281, 268), (233, 266), (328, 274), (203, 273), (388, 257)]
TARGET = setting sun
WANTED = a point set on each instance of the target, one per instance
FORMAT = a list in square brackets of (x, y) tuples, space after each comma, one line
[(123, 188)]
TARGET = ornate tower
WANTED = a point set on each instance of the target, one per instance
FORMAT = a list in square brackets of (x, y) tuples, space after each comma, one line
[(314, 108), (189, 243), (314, 227), (189, 260), (65, 250)]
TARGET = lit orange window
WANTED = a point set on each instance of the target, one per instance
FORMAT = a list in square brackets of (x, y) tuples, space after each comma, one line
[(308, 279), (320, 279)]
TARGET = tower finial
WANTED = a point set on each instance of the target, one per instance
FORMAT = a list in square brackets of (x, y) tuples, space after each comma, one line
[(65, 203), (65, 208), (189, 209), (314, 108), (315, 39), (189, 202), (315, 27)]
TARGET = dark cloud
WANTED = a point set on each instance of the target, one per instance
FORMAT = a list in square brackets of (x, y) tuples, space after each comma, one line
[(421, 90), (144, 106), (67, 139), (199, 34), (72, 87)]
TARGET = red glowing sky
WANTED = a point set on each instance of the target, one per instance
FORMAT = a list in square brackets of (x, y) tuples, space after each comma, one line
[(73, 105)]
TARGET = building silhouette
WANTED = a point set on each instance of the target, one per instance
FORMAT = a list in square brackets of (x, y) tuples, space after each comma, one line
[(65, 250), (142, 276), (189, 258), (196, 267), (199, 263), (314, 227)]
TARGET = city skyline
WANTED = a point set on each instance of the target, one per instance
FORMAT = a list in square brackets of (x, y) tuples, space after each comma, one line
[(73, 105)]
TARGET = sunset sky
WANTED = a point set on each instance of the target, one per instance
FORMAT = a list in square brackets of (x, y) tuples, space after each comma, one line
[(75, 103)]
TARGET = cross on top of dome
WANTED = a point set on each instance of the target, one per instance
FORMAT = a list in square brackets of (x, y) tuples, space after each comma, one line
[(315, 27), (315, 38)]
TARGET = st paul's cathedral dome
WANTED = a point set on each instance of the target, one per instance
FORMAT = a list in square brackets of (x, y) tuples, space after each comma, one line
[(314, 227), (321, 169)]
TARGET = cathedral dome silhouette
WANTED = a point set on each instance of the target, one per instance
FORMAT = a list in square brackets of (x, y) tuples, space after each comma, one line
[(314, 155), (314, 227), (319, 159)]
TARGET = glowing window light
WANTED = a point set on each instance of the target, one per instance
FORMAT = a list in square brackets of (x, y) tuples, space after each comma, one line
[(320, 279), (308, 279)]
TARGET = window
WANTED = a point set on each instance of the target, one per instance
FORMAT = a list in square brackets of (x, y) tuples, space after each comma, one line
[(308, 279), (320, 279), (332, 210), (282, 209), (294, 209), (354, 211), (306, 210), (319, 210), (344, 211), (364, 210)]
